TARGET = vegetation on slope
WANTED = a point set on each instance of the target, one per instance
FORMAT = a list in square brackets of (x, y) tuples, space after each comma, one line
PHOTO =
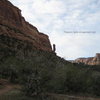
[(44, 72)]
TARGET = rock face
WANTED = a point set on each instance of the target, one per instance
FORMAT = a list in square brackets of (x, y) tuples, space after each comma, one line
[(89, 61), (14, 26)]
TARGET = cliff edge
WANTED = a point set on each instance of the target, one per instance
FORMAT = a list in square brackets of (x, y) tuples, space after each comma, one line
[(14, 26)]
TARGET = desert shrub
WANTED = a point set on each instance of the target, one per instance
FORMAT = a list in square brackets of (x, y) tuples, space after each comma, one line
[(45, 72)]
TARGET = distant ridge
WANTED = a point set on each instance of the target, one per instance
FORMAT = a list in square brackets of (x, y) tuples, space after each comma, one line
[(89, 61)]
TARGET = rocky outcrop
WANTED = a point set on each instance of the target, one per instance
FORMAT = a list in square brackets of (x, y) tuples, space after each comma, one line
[(13, 25), (89, 61)]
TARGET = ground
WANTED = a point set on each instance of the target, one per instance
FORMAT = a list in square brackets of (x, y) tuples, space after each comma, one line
[(12, 92)]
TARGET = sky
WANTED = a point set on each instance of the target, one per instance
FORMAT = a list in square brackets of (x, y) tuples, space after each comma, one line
[(73, 25)]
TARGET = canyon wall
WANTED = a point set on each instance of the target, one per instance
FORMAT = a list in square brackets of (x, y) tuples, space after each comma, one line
[(89, 61), (13, 25)]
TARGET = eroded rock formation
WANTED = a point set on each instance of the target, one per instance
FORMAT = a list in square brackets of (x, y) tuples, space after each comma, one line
[(89, 61), (13, 25)]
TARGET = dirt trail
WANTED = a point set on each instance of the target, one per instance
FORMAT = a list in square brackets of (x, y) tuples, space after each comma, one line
[(69, 97), (7, 86), (6, 89)]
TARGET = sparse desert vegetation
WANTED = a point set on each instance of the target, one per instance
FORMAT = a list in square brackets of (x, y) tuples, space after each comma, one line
[(45, 72)]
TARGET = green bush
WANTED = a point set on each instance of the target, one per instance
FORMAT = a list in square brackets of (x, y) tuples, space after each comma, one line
[(45, 72)]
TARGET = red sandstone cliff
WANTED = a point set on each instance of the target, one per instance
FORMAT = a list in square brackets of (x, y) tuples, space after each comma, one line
[(13, 25), (89, 61)]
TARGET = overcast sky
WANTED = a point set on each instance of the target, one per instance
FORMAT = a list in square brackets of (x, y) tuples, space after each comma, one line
[(62, 19)]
